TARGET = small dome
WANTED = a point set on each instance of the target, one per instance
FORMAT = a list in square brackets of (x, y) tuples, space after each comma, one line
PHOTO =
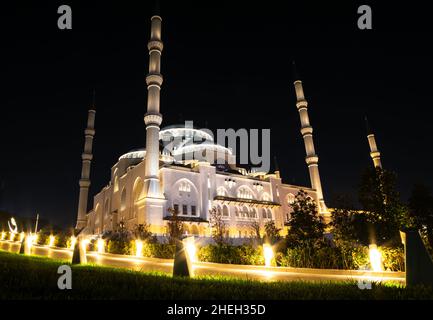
[(134, 154)]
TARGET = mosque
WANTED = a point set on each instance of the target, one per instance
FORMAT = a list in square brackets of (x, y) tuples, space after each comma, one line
[(148, 185)]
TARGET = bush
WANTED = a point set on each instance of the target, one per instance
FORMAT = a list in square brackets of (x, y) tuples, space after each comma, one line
[(340, 257), (245, 254), (63, 240), (159, 250)]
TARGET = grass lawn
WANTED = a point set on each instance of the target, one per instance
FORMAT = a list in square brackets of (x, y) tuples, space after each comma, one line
[(32, 277)]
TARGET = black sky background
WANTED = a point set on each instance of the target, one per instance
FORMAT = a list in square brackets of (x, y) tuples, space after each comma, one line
[(224, 65)]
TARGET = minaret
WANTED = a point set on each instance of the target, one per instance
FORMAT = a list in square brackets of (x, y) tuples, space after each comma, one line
[(153, 118), (307, 133), (87, 156), (374, 152)]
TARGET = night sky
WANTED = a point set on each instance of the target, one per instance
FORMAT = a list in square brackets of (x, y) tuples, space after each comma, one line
[(224, 66)]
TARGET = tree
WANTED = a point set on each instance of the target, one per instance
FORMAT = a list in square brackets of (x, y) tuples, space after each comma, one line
[(255, 226), (218, 226), (142, 232), (348, 224), (272, 233), (175, 227), (305, 224), (421, 210), (381, 201)]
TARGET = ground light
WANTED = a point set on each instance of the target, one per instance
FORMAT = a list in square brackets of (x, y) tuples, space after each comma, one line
[(52, 239), (22, 235), (73, 242), (268, 254), (375, 258), (138, 248), (3, 235), (101, 245), (28, 244), (12, 236)]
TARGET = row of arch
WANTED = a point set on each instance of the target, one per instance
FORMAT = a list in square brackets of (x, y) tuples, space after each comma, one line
[(245, 212)]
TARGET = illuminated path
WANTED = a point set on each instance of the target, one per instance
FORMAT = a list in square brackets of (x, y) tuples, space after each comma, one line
[(205, 268)]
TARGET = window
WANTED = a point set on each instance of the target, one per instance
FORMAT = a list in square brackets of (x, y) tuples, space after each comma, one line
[(264, 213), (185, 186), (184, 209), (269, 214), (123, 200), (176, 208), (290, 198), (225, 211), (237, 212), (193, 210), (245, 193), (266, 197)]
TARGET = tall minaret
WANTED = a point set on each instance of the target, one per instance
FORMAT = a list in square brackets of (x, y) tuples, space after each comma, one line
[(87, 156), (153, 118), (307, 133), (374, 152)]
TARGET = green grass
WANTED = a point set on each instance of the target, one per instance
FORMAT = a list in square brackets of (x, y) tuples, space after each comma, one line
[(32, 277)]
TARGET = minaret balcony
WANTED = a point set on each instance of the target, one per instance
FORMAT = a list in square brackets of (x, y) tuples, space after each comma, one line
[(154, 79), (155, 45)]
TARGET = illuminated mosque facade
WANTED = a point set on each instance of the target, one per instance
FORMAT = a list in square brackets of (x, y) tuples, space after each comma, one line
[(147, 185)]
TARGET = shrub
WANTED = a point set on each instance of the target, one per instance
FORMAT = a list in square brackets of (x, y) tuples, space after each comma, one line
[(159, 250), (245, 254)]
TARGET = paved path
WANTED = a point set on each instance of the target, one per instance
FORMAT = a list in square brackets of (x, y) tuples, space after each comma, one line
[(204, 268)]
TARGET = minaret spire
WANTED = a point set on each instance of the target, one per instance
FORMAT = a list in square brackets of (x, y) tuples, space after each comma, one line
[(374, 152), (153, 118), (311, 159), (86, 157)]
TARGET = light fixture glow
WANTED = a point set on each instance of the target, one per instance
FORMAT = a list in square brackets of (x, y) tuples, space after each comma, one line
[(52, 239), (22, 235), (11, 236), (138, 248), (268, 254), (375, 258), (190, 248), (3, 235), (73, 242), (101, 245), (29, 243)]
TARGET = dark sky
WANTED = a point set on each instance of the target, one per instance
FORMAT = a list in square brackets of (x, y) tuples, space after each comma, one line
[(225, 65)]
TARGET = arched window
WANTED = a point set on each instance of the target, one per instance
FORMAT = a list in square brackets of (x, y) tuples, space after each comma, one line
[(290, 198), (245, 193), (185, 196), (225, 211), (115, 181), (107, 207), (266, 197), (237, 212), (269, 214), (123, 200), (245, 212), (222, 192), (136, 194), (264, 213)]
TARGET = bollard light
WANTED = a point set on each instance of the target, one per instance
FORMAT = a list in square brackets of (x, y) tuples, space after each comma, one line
[(268, 254), (52, 239), (138, 248), (3, 236), (375, 258), (101, 245), (22, 235)]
